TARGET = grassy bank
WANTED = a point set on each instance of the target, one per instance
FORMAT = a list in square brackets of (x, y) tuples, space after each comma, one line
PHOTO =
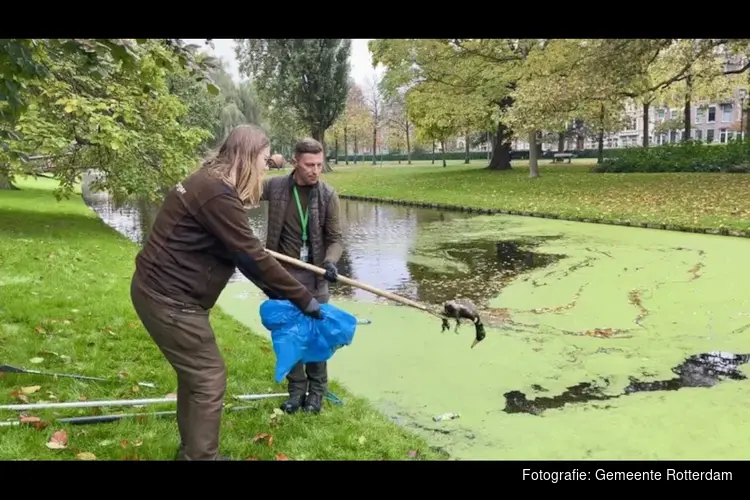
[(65, 307), (692, 200)]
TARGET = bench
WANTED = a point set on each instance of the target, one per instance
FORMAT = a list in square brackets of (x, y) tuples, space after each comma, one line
[(560, 157)]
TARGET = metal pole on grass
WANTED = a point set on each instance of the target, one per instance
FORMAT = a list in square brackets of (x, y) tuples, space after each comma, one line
[(121, 402), (18, 369), (100, 419)]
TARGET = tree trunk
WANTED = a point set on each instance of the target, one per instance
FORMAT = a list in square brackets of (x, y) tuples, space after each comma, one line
[(5, 183), (374, 143), (408, 145), (442, 145), (646, 106), (319, 135), (561, 142), (688, 105), (433, 151), (346, 146), (600, 138), (533, 155), (467, 155), (336, 149), (501, 149), (356, 147)]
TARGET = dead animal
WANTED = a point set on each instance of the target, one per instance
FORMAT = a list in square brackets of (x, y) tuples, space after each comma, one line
[(463, 309)]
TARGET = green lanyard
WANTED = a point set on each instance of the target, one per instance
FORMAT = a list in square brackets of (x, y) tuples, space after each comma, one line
[(303, 218)]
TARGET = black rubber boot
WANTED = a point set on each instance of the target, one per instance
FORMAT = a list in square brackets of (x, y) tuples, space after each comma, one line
[(313, 403), (293, 404)]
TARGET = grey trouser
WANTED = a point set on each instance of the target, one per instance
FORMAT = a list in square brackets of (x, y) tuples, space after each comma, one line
[(311, 377), (184, 335)]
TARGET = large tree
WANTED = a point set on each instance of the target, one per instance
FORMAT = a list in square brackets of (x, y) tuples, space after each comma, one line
[(98, 103), (311, 76)]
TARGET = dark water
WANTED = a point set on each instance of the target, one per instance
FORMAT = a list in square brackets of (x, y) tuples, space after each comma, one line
[(379, 249), (700, 370)]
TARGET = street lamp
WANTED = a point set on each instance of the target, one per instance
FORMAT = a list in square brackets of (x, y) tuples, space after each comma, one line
[(743, 94)]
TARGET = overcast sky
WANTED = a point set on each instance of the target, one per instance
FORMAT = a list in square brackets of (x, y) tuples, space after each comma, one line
[(361, 62)]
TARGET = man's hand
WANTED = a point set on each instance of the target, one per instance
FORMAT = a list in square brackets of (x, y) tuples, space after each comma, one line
[(331, 272), (313, 309)]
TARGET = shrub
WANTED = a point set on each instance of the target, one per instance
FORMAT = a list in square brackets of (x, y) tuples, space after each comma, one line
[(689, 156)]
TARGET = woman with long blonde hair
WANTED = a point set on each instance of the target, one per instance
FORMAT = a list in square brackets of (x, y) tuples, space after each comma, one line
[(200, 235)]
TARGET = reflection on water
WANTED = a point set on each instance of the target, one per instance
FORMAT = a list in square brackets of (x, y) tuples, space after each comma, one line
[(380, 250)]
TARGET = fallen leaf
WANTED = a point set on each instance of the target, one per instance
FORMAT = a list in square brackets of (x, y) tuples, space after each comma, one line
[(29, 419), (133, 325), (265, 348), (123, 374), (263, 437), (36, 361), (135, 389), (82, 398), (19, 396), (413, 453), (252, 458), (85, 455), (31, 389), (137, 443), (362, 440), (106, 442), (124, 443), (58, 441), (281, 456), (171, 395)]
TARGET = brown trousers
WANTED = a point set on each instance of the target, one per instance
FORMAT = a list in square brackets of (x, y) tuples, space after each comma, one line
[(185, 337), (311, 377)]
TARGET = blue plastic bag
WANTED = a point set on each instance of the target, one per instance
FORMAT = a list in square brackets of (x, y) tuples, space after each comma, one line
[(297, 337)]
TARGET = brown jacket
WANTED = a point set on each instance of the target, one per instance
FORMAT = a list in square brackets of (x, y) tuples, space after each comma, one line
[(324, 229), (200, 235)]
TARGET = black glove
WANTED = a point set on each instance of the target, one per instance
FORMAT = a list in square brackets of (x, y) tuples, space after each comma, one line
[(331, 272), (313, 309)]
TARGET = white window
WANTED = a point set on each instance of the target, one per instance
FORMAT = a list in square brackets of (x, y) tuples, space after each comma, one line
[(700, 113), (726, 113), (723, 136)]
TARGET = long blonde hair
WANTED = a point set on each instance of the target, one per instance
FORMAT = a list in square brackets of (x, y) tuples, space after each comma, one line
[(235, 162)]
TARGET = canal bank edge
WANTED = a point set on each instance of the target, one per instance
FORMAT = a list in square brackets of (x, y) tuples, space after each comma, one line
[(544, 215)]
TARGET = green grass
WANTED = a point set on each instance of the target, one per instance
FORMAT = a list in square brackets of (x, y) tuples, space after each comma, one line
[(64, 298), (692, 200)]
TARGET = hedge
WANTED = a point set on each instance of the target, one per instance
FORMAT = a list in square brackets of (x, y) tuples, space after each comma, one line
[(474, 155), (686, 156)]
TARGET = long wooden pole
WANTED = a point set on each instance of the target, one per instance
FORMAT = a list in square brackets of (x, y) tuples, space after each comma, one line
[(354, 283)]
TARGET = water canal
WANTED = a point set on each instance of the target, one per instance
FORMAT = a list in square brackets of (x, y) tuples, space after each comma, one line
[(583, 315)]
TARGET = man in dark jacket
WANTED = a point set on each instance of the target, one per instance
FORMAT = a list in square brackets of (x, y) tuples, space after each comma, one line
[(303, 223)]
